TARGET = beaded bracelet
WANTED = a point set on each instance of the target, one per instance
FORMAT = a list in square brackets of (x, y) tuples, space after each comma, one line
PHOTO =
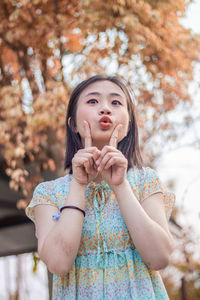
[(57, 216)]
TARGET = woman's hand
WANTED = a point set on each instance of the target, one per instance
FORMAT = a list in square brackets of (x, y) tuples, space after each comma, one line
[(111, 163), (83, 163)]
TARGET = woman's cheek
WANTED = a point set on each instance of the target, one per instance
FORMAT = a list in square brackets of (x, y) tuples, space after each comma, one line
[(123, 132), (122, 135)]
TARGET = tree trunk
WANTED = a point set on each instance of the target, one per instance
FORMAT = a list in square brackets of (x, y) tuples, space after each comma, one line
[(183, 289)]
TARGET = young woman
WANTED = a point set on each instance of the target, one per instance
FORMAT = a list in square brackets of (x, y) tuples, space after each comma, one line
[(102, 229)]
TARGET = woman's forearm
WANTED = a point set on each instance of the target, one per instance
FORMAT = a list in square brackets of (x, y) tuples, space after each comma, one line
[(150, 239), (61, 245)]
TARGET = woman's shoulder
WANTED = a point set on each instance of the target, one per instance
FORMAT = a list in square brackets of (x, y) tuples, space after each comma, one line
[(140, 173), (57, 181), (142, 170), (51, 186), (51, 192), (140, 178)]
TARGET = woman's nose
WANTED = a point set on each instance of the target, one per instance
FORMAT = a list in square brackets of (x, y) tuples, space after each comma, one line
[(105, 110)]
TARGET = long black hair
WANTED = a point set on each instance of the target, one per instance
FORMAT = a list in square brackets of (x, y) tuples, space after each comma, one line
[(129, 146)]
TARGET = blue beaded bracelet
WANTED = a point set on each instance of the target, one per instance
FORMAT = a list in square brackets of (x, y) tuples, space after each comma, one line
[(57, 216)]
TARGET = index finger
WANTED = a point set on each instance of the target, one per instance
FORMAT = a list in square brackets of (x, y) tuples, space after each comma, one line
[(114, 137), (87, 138)]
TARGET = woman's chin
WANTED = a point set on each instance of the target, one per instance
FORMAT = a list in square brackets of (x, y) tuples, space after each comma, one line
[(100, 140)]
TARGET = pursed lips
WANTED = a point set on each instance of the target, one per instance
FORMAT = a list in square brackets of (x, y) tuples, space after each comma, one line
[(105, 122), (105, 119)]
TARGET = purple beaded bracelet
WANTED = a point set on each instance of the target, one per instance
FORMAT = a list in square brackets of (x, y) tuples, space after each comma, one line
[(57, 216)]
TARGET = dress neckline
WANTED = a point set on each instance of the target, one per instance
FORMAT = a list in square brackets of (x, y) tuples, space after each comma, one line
[(102, 185)]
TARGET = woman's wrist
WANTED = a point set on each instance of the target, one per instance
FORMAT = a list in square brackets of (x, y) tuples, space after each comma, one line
[(77, 184), (118, 188), (76, 194)]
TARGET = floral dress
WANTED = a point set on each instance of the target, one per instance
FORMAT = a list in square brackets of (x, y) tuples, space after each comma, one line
[(108, 266)]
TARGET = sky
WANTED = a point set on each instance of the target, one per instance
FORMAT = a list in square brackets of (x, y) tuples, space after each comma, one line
[(182, 165), (191, 19)]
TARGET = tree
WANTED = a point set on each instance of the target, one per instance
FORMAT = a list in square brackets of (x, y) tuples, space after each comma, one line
[(182, 277), (143, 38)]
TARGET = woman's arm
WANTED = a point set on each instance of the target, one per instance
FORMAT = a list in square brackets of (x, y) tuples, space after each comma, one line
[(147, 225), (59, 240)]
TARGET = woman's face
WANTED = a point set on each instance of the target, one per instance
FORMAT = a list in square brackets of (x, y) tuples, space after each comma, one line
[(103, 105)]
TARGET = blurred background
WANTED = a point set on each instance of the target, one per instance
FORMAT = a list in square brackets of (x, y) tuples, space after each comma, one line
[(46, 48)]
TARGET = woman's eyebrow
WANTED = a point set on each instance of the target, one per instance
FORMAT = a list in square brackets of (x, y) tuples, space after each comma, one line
[(116, 95), (93, 94), (99, 94)]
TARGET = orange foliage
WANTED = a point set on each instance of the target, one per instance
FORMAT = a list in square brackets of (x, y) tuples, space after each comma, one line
[(36, 35), (73, 43)]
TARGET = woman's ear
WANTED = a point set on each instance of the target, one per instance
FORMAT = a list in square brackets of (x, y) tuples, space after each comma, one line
[(71, 124), (129, 125)]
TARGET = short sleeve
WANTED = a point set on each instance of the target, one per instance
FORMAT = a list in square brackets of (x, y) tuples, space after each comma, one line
[(43, 194), (153, 185)]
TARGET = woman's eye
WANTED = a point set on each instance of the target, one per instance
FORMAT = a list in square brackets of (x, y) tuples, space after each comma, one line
[(116, 102), (92, 101)]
